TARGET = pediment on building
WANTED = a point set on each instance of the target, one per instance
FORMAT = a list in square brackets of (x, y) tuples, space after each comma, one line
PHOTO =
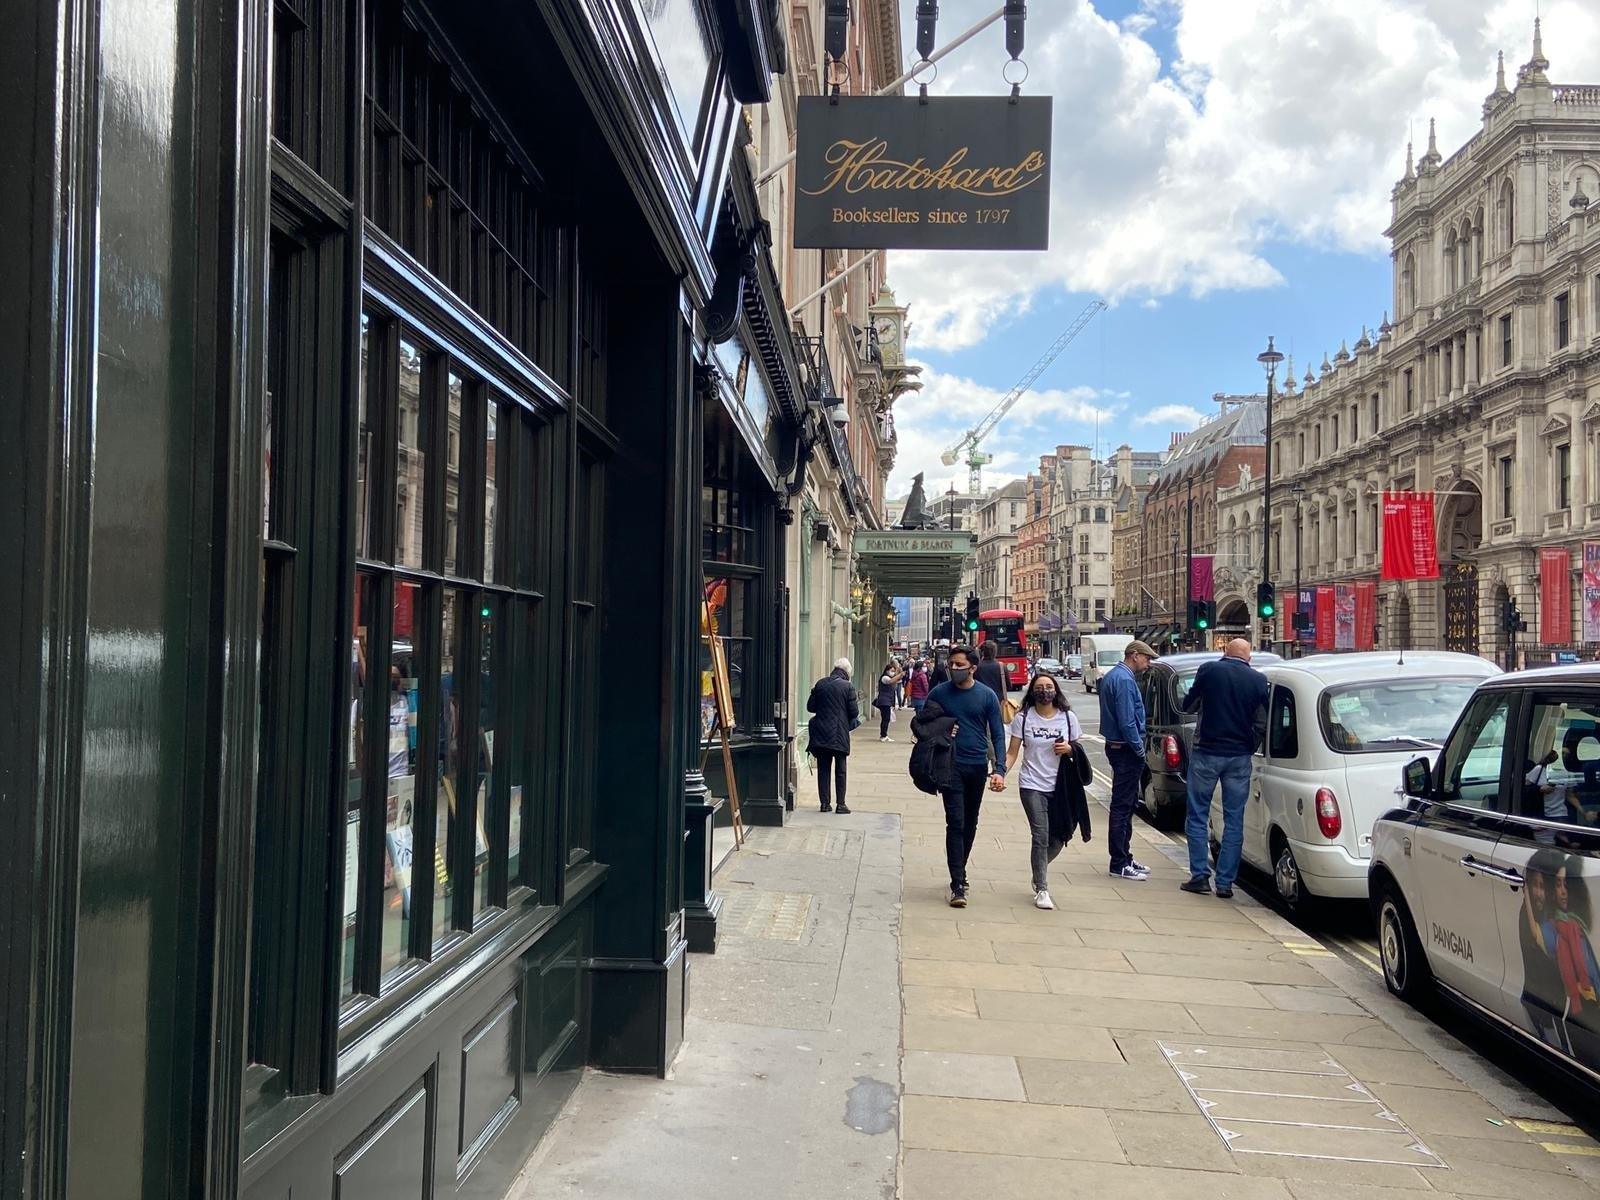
[(1555, 425), (1592, 413)]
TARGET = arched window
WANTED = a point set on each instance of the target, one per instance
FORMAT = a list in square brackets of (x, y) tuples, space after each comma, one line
[(1466, 251), (1507, 215), (1477, 243), (1408, 285), (1451, 280)]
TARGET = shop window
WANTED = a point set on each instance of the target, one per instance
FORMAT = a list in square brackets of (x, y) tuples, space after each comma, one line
[(457, 196)]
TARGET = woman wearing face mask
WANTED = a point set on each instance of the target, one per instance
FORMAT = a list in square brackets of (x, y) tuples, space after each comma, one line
[(1042, 733)]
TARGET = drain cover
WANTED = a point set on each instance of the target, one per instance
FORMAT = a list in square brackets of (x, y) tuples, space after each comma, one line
[(777, 916), (1293, 1104)]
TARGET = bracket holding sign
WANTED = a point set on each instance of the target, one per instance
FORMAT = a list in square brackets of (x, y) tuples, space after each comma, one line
[(893, 172)]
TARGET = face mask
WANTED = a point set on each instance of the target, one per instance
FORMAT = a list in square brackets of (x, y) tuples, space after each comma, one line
[(1044, 696), (960, 674)]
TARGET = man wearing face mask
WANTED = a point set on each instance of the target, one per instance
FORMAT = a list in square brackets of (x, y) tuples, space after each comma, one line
[(980, 736)]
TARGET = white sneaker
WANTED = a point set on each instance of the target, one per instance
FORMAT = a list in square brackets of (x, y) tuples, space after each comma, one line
[(1131, 872), (886, 739), (1041, 899)]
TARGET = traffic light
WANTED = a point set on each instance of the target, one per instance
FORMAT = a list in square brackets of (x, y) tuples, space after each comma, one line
[(1202, 615), (972, 614), (1511, 618), (1266, 601)]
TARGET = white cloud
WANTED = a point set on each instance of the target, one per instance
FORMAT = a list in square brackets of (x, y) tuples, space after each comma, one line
[(1280, 120), (1174, 416)]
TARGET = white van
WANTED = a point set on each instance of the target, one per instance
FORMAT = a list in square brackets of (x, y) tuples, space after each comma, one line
[(1101, 652), (1339, 728)]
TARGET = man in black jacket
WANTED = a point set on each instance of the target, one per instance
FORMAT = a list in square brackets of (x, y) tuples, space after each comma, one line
[(833, 701), (990, 672), (1230, 695)]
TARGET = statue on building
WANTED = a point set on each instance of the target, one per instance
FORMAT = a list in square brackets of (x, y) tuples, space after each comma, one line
[(916, 515)]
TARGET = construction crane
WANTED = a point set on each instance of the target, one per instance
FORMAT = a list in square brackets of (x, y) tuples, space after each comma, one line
[(973, 438)]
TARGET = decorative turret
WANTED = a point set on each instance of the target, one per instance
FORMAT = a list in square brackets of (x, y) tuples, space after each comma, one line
[(1533, 71), (1385, 328), (1431, 160), (1363, 342), (1579, 202), (1326, 365), (1343, 356), (1310, 379), (1501, 92), (1288, 376), (1411, 169)]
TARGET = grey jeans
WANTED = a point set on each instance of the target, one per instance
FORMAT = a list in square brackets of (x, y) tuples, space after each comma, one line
[(1045, 848)]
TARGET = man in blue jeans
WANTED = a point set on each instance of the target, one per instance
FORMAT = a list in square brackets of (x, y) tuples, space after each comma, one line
[(980, 737), (1231, 695), (1122, 724)]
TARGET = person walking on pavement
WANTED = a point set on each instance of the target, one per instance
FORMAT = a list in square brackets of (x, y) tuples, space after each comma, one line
[(1122, 724), (941, 670), (1042, 733), (833, 705), (917, 687), (990, 672), (978, 731), (1232, 698), (888, 682)]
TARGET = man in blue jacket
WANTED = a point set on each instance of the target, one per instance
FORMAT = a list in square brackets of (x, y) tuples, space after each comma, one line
[(1122, 724), (1231, 695), (979, 732)]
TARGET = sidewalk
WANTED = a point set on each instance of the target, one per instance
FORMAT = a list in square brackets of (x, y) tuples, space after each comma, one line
[(1136, 1042)]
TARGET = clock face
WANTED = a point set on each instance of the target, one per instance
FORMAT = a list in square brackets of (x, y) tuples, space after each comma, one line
[(888, 330)]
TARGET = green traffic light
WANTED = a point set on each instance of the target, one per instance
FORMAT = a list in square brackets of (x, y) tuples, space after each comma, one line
[(1267, 610)]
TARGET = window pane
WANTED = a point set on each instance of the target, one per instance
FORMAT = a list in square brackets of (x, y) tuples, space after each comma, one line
[(491, 489), (363, 447), (487, 649), (356, 760), (1471, 761), (409, 492), (449, 760), (401, 757), (452, 480), (1562, 782)]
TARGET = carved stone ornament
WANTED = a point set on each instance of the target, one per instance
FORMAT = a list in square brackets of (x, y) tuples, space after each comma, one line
[(1555, 425), (1506, 424), (1592, 413)]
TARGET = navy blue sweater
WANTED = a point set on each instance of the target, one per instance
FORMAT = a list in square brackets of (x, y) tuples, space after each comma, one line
[(1229, 693), (977, 713)]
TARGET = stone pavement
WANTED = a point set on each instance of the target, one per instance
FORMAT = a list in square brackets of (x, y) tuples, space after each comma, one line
[(1135, 1042)]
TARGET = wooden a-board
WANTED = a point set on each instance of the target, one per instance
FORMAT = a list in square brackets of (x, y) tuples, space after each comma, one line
[(723, 720)]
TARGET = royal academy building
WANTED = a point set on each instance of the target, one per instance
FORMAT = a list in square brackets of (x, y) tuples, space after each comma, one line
[(366, 364), (1484, 388)]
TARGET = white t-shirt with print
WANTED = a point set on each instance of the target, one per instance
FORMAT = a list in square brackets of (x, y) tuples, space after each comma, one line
[(1039, 759)]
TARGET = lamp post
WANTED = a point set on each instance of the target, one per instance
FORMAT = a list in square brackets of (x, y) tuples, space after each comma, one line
[(1298, 492), (1269, 358), (1176, 625), (1188, 552)]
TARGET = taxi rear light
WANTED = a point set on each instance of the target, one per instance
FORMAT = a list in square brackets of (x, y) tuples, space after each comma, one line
[(1329, 819), (1170, 751)]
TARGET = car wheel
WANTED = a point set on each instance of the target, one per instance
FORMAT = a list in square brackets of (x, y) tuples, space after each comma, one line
[(1287, 880), (1405, 963)]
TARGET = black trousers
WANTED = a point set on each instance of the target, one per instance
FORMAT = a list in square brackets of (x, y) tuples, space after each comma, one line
[(961, 819), (1127, 768), (883, 721), (830, 762)]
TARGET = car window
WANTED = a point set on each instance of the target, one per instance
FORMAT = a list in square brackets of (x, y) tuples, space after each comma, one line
[(1283, 735), (1560, 767), (1470, 764), (1149, 690), (1392, 714), (1182, 681), (1107, 658)]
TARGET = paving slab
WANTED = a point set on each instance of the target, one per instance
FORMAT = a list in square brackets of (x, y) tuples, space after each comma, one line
[(947, 949), (941, 1175), (1088, 1010), (997, 1127), (1170, 988), (1034, 1039), (1047, 954), (974, 1076), (1185, 1141), (999, 976), (939, 1001), (1253, 968), (1110, 1085)]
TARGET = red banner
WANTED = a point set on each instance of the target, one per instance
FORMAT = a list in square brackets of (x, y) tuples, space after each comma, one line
[(1202, 577), (1325, 631), (1555, 596), (1409, 550), (1366, 615)]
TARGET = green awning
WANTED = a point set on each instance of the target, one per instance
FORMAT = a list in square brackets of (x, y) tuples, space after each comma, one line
[(913, 562)]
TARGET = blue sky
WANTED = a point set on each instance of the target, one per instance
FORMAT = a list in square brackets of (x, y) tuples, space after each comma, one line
[(1221, 172)]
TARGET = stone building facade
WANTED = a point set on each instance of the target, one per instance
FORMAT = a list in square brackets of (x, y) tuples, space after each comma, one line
[(1485, 389), (998, 519), (1030, 572)]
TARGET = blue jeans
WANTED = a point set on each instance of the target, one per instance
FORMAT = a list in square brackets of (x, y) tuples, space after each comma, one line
[(1205, 771), (1127, 771)]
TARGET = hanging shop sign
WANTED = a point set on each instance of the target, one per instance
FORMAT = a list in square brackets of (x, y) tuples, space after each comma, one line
[(1409, 551), (902, 172), (1202, 577)]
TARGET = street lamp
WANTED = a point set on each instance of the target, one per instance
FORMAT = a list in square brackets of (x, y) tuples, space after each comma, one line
[(1269, 358), (1298, 492)]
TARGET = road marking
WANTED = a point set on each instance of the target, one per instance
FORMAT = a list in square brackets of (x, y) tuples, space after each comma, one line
[(1549, 1127), (1589, 1151)]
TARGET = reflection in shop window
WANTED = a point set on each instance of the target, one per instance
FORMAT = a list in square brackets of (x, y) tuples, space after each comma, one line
[(448, 762), (400, 786), (410, 461)]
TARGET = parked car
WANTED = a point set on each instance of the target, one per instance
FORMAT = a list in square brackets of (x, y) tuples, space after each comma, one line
[(1169, 735), (1101, 652), (1338, 727), (1074, 666), (1049, 666), (1482, 883)]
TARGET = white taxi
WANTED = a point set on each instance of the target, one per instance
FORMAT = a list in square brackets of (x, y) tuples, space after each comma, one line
[(1339, 726), (1483, 882)]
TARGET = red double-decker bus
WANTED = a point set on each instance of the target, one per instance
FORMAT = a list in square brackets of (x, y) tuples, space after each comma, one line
[(1003, 627)]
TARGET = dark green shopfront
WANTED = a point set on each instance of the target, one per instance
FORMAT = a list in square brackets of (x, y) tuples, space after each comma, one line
[(355, 363)]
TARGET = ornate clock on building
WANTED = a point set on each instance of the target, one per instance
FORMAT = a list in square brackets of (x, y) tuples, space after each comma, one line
[(889, 320)]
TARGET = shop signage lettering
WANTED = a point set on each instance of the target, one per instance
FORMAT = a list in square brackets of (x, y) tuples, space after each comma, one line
[(899, 172), (913, 543)]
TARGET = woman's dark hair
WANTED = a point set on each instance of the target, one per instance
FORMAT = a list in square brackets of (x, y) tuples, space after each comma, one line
[(1061, 704), (986, 651), (1578, 891), (1545, 863)]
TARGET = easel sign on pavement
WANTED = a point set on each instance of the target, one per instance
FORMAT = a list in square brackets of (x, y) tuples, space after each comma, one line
[(722, 718)]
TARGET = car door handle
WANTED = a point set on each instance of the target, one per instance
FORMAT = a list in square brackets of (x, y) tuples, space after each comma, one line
[(1473, 866)]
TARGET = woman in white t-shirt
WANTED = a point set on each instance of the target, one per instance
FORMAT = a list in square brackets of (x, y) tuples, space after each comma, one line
[(1042, 734)]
